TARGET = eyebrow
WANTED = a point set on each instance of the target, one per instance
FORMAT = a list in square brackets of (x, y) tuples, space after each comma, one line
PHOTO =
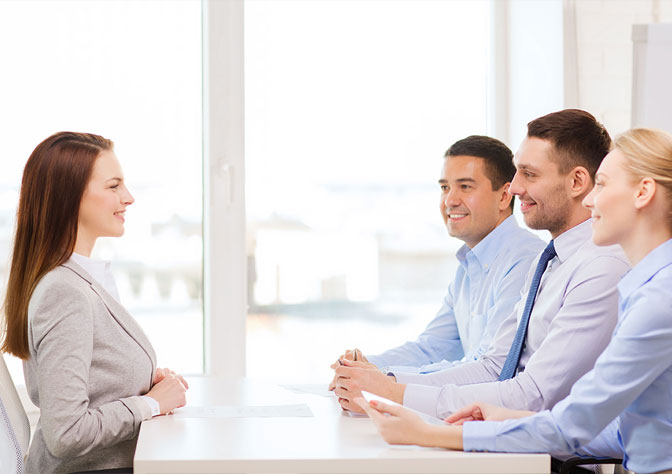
[(459, 180), (527, 167), (113, 179)]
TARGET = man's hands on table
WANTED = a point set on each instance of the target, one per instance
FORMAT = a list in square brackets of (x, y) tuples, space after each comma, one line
[(352, 377)]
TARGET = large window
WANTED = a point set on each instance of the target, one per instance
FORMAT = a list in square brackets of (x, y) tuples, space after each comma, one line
[(130, 71), (349, 108)]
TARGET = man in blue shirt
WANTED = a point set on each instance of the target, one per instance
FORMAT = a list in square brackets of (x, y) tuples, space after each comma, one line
[(623, 406), (477, 208), (556, 332)]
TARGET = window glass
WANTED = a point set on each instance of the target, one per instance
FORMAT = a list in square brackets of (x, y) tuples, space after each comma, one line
[(130, 71), (350, 107)]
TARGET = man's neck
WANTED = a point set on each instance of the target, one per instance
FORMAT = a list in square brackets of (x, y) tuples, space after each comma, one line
[(577, 217), (502, 218)]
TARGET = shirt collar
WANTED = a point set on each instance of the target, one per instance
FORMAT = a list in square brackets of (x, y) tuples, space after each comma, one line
[(98, 269), (88, 262), (656, 260), (567, 243), (487, 249)]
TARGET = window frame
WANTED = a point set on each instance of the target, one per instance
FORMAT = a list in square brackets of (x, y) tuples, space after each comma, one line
[(224, 262)]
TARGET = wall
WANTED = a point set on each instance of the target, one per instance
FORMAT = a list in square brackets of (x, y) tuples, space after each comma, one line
[(603, 62)]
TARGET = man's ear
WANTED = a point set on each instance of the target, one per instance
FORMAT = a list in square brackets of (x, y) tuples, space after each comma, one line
[(645, 192), (505, 197), (581, 182)]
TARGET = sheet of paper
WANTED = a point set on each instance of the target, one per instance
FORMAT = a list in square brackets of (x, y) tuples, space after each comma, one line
[(313, 388), (301, 410)]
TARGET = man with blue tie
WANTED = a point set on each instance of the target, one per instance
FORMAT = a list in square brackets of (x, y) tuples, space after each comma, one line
[(476, 208), (569, 302)]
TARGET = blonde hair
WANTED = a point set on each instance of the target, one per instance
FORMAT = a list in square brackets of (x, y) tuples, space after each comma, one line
[(648, 154)]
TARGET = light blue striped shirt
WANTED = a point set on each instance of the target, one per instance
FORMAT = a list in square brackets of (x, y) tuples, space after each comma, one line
[(486, 287), (623, 407)]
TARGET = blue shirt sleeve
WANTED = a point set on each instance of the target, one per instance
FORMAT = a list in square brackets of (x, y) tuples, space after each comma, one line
[(640, 351)]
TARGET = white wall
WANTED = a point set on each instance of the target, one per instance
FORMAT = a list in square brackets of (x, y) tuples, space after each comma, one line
[(652, 76), (604, 54), (557, 54)]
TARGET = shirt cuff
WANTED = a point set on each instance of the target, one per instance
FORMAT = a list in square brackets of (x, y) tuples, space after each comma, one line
[(399, 369), (423, 398), (408, 377), (480, 435), (153, 405)]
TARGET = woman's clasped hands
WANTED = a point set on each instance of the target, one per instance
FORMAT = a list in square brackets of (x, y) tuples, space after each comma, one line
[(169, 390)]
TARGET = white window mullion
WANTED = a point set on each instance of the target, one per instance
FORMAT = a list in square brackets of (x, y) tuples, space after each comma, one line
[(224, 188)]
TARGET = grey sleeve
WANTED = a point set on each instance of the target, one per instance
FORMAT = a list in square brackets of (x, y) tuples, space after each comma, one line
[(62, 332)]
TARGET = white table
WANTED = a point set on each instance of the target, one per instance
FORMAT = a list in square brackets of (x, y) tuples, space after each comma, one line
[(328, 442)]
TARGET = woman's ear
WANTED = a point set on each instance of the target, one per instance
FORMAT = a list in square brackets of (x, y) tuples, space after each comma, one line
[(646, 190)]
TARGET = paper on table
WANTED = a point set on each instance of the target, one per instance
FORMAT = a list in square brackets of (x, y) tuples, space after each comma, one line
[(301, 410), (313, 388)]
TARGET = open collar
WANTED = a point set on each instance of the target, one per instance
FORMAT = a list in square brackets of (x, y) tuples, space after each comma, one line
[(569, 242), (486, 250)]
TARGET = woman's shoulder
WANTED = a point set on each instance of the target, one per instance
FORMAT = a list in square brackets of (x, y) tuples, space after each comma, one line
[(63, 277), (653, 298), (59, 286)]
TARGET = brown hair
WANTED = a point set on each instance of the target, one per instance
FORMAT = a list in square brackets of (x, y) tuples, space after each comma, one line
[(53, 183), (577, 138), (496, 156), (648, 153)]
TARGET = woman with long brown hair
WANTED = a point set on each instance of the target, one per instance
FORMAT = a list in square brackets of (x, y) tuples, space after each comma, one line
[(87, 363)]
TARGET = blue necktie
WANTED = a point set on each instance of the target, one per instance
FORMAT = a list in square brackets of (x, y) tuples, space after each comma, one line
[(511, 364)]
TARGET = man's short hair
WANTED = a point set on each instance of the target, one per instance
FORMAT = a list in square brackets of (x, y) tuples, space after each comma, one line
[(497, 158), (578, 139), (499, 168)]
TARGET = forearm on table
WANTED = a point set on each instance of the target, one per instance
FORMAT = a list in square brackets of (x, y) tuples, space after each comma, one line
[(448, 437), (395, 392), (519, 394)]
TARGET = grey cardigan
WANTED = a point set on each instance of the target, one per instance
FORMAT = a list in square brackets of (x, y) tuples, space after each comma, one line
[(89, 362)]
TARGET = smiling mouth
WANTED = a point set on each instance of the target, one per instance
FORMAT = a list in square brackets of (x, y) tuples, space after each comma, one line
[(455, 216), (526, 206)]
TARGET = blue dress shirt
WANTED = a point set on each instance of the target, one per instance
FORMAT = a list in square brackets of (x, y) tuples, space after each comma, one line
[(577, 305), (485, 289), (623, 407)]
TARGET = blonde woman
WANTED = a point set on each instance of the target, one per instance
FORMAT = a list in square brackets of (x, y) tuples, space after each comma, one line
[(88, 365), (623, 407)]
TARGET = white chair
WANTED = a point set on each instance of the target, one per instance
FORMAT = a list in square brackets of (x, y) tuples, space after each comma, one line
[(14, 425)]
